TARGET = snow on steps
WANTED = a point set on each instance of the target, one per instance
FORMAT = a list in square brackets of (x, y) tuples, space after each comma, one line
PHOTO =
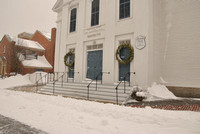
[(104, 93)]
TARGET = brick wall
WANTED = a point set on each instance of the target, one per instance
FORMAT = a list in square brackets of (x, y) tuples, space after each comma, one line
[(49, 45), (8, 53)]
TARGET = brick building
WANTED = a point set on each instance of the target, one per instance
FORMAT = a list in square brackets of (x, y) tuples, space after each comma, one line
[(6, 55), (47, 41), (31, 57), (34, 51)]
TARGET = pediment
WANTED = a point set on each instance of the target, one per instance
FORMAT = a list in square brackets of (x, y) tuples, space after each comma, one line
[(57, 6)]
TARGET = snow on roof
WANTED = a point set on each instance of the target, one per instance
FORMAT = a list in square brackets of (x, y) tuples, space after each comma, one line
[(40, 62), (25, 35), (46, 34), (28, 44), (9, 37)]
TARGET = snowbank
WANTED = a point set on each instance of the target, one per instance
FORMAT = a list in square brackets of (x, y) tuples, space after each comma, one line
[(160, 91), (14, 81), (22, 80), (58, 115), (153, 93)]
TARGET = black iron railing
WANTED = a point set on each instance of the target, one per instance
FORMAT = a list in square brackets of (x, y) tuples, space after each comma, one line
[(62, 76), (56, 75), (62, 79), (123, 80), (96, 79), (47, 78)]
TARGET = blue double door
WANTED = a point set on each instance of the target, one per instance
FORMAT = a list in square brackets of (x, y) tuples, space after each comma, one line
[(94, 64)]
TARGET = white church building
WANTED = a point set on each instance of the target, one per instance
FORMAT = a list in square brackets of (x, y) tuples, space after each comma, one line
[(143, 41)]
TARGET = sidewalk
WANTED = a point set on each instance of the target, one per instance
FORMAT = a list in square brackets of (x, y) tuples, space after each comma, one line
[(10, 126), (181, 104), (170, 104)]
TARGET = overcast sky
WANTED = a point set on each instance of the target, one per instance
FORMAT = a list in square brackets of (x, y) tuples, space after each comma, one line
[(17, 16)]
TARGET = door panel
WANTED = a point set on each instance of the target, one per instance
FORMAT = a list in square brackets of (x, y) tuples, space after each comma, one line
[(71, 69), (94, 64), (124, 69)]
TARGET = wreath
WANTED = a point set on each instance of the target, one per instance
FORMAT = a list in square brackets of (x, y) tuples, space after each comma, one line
[(66, 59), (131, 54)]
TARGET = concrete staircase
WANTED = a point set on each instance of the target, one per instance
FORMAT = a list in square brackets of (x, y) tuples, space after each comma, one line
[(104, 93)]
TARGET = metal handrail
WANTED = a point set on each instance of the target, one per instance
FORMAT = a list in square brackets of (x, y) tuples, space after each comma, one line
[(58, 79), (124, 79), (96, 78), (62, 76), (40, 79), (56, 74)]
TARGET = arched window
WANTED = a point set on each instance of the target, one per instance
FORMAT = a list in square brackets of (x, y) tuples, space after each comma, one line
[(73, 20), (124, 9), (95, 13)]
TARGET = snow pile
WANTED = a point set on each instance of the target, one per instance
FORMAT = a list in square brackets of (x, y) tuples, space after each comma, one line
[(39, 76), (153, 93), (58, 115), (141, 94), (15, 81), (160, 91)]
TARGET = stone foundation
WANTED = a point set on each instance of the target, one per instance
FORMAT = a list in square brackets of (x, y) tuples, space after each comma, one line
[(188, 92)]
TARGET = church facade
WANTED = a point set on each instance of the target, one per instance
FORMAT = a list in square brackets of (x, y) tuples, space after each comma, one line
[(143, 41)]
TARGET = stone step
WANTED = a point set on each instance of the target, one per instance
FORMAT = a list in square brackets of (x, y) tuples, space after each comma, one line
[(100, 89), (92, 86), (104, 93), (98, 96), (83, 91)]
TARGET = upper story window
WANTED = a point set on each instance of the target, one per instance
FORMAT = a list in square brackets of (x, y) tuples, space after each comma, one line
[(95, 13), (27, 51), (124, 9), (4, 49), (73, 20)]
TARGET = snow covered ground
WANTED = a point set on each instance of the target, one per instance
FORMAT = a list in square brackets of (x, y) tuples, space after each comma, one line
[(58, 115)]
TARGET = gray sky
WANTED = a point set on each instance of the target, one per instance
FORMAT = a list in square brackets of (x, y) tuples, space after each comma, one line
[(17, 16)]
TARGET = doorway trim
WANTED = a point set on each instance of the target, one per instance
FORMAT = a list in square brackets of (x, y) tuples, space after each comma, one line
[(89, 48)]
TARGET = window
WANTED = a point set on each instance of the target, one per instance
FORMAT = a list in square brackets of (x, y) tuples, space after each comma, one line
[(95, 13), (27, 51), (92, 47), (4, 49), (124, 9), (38, 70), (73, 20)]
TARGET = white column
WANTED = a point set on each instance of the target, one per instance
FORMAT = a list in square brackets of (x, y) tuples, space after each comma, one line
[(64, 32)]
